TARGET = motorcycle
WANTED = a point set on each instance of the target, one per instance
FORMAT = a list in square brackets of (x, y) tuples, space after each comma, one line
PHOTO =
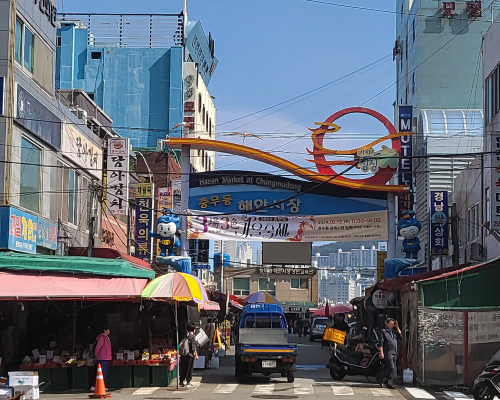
[(345, 362), (487, 384)]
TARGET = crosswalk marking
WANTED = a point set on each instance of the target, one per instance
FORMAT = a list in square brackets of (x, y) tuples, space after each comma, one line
[(420, 393), (264, 389), (303, 388), (456, 395), (225, 388), (145, 390), (342, 391), (381, 392)]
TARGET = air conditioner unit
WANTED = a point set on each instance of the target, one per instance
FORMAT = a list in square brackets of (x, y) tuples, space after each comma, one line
[(477, 252), (81, 114)]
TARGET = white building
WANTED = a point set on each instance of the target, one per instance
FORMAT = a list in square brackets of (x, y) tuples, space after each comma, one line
[(201, 109), (258, 256), (229, 246), (322, 261), (244, 255), (364, 257), (337, 288)]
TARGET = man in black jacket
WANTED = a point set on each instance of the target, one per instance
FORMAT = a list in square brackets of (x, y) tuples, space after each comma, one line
[(389, 351)]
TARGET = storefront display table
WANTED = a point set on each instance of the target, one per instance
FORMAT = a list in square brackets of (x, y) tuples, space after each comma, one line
[(141, 375)]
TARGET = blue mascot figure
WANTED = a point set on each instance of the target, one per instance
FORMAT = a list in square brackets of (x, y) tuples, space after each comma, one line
[(408, 228), (166, 227)]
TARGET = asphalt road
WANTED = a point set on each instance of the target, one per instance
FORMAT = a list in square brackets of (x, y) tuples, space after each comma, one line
[(312, 382)]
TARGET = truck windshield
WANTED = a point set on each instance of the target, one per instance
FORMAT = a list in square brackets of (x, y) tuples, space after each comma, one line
[(264, 321)]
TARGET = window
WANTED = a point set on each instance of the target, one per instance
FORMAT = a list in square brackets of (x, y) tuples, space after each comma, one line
[(95, 55), (24, 51), (199, 102), (29, 49), (300, 283), (473, 221), (413, 30), (413, 83), (19, 40), (30, 176), (241, 286), (273, 321), (73, 197), (58, 41), (267, 285)]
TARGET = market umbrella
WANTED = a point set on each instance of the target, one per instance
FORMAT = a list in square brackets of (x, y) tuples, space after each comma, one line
[(260, 297), (327, 311), (176, 287)]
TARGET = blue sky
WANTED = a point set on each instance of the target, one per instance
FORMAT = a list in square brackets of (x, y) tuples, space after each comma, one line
[(273, 50)]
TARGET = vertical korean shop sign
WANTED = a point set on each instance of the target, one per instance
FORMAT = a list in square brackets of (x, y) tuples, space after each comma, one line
[(405, 118), (18, 230), (143, 220), (117, 176), (47, 234), (495, 181), (439, 223), (164, 202)]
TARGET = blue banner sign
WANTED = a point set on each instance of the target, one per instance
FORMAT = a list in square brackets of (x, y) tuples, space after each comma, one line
[(439, 223), (143, 224), (200, 266), (240, 199), (18, 230), (47, 234)]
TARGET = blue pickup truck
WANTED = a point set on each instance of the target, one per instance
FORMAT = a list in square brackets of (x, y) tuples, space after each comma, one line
[(263, 344)]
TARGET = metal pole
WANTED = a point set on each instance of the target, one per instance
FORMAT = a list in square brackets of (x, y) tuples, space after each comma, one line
[(185, 170), (391, 229), (454, 234), (177, 335)]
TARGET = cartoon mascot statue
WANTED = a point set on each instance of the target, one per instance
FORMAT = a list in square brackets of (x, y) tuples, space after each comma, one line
[(408, 228), (166, 227)]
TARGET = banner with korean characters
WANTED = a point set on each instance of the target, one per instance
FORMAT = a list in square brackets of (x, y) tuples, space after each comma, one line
[(47, 234), (81, 150), (484, 327), (439, 222), (143, 220), (165, 201), (117, 176), (18, 230), (293, 228)]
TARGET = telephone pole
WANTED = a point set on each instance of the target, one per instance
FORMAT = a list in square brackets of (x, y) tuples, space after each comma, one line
[(454, 234)]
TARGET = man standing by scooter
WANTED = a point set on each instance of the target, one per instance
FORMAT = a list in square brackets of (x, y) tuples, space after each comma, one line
[(389, 351)]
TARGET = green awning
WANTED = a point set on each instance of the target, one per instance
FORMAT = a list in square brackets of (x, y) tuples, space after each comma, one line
[(75, 265), (474, 287)]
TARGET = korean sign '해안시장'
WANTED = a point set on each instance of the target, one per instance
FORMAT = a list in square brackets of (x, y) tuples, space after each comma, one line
[(339, 227), (19, 230), (439, 222), (117, 176)]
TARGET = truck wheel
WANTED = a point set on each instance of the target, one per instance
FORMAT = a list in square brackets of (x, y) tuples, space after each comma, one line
[(290, 377), (242, 373)]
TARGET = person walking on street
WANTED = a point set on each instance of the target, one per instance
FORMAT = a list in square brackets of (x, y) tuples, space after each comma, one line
[(103, 354), (290, 326), (295, 326), (187, 360), (389, 351), (300, 327)]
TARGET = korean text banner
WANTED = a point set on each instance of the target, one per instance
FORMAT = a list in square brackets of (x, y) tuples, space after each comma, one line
[(117, 176), (339, 227), (18, 230), (439, 223)]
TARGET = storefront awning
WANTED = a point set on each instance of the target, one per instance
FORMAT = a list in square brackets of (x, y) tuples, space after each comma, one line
[(22, 286), (75, 265), (103, 252)]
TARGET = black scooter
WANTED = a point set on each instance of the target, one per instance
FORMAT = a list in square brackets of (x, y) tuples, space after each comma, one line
[(344, 362), (487, 384)]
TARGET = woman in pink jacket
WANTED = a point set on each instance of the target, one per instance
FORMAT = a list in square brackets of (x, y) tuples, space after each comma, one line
[(103, 353)]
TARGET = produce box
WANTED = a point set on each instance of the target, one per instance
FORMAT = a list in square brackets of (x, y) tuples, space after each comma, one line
[(6, 393), (23, 378), (141, 375), (30, 392), (81, 378), (159, 375), (119, 376)]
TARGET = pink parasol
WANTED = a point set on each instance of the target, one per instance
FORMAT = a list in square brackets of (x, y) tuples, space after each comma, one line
[(327, 311)]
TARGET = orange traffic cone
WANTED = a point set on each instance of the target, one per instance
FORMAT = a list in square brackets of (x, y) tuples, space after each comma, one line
[(100, 387)]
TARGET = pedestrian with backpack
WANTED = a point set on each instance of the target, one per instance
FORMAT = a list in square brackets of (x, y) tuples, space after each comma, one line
[(188, 353)]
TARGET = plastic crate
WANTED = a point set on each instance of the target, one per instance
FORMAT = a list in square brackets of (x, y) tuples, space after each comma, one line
[(81, 378), (120, 376), (61, 379), (159, 375), (334, 335)]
